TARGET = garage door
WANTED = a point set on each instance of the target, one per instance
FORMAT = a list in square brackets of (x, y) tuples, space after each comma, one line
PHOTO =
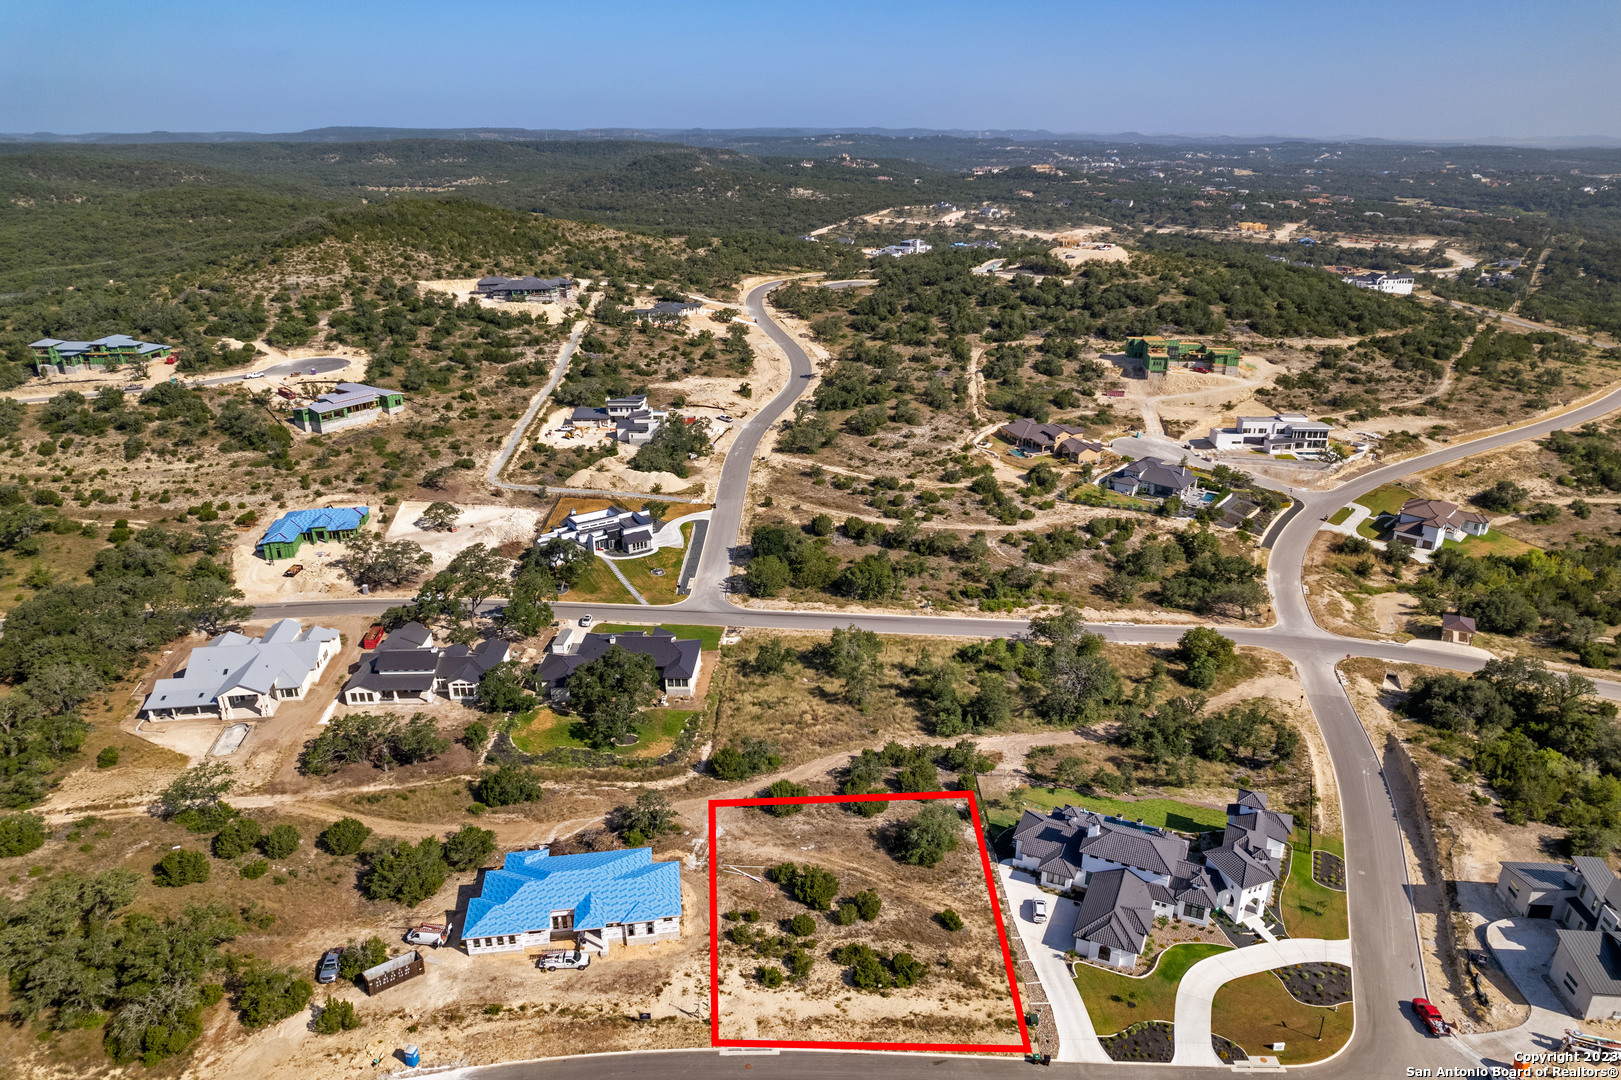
[(1540, 911)]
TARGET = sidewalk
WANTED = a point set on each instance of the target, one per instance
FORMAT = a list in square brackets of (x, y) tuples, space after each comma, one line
[(1198, 987), (1046, 943)]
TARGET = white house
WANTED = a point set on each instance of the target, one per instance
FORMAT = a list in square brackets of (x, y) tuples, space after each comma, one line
[(1283, 433), (1427, 523), (234, 677), (1400, 284)]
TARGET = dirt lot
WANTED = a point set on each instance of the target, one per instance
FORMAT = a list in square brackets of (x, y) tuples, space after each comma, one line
[(493, 526), (964, 998)]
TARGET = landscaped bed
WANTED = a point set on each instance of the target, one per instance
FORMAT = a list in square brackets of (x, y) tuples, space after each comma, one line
[(1317, 984), (1148, 1041), (1328, 869)]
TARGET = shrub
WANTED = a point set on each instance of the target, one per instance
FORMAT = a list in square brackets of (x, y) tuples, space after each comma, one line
[(798, 962), (867, 904), (802, 925), (950, 920), (407, 873), (867, 970), (508, 786), (345, 836), (107, 758), (20, 834), (255, 869), (469, 847), (846, 915), (475, 735), (908, 969), (280, 842), (752, 758), (336, 1016), (269, 995), (812, 886), (237, 838), (769, 976), (927, 837), (785, 789), (357, 958), (180, 868)]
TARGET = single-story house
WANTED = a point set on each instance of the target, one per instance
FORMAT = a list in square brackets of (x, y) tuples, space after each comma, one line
[(1026, 434), (526, 288), (289, 532), (71, 357), (612, 528), (409, 668), (679, 661), (666, 311), (1155, 478), (1080, 451), (1458, 628), (1428, 523), (589, 901), (235, 677), (349, 405)]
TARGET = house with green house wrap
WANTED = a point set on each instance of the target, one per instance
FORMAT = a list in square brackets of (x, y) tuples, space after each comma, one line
[(348, 405), (102, 354), (1159, 354), (288, 532)]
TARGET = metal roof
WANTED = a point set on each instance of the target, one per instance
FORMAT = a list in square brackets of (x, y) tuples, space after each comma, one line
[(1596, 954)]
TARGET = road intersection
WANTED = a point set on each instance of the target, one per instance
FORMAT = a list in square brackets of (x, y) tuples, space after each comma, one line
[(1387, 968)]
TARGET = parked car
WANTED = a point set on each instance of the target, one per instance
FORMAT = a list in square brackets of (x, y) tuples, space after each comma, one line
[(1038, 911), (1431, 1016), (373, 638), (328, 969), (553, 961), (586, 620), (428, 933)]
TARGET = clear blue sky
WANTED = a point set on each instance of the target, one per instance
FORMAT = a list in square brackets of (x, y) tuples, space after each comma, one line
[(1399, 70)]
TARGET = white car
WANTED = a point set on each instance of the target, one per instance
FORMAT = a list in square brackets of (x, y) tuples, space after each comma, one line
[(586, 620), (1038, 911), (435, 934), (554, 961), (254, 375)]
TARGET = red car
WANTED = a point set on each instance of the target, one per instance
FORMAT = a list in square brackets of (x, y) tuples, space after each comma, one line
[(373, 637), (1431, 1016)]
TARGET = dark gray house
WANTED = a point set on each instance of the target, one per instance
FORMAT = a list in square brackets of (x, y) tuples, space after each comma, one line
[(409, 668), (1154, 478), (526, 289), (679, 660)]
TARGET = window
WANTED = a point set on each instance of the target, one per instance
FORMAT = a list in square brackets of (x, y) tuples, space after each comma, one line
[(1570, 982), (564, 921), (1192, 911), (1513, 887)]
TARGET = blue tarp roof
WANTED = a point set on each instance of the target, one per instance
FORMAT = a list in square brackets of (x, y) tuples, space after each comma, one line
[(600, 887), (291, 526)]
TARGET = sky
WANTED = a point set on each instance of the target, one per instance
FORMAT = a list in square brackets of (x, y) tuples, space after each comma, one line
[(1428, 69)]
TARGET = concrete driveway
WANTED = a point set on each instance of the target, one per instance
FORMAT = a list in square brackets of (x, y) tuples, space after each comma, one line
[(1198, 987), (1046, 944), (1524, 947)]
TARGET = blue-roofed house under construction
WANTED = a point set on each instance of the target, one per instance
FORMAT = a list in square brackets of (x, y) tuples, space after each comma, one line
[(589, 901), (286, 533)]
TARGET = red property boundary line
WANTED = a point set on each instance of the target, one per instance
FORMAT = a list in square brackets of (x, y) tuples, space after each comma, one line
[(1021, 1047)]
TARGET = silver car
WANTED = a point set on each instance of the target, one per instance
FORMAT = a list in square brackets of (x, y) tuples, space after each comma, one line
[(328, 969)]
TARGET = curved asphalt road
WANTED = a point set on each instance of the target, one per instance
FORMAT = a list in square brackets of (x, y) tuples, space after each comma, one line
[(1386, 962)]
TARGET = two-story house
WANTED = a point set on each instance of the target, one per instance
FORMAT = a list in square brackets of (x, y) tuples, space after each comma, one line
[(1583, 898), (1428, 523)]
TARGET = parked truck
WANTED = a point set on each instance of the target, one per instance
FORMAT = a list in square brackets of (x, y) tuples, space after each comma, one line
[(392, 972), (1431, 1016), (428, 933), (565, 960)]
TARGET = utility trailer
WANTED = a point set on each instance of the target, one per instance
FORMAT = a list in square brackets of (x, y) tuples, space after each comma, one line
[(392, 972)]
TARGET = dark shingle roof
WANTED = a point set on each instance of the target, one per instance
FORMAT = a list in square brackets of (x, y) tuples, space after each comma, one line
[(1118, 911), (675, 658), (1241, 865)]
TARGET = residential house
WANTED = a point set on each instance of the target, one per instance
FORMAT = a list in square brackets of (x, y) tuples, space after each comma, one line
[(407, 667), (1399, 284), (1159, 354), (1154, 478), (235, 677), (612, 528), (679, 661), (1283, 433), (590, 901), (1583, 898), (1457, 628), (1133, 873), (526, 289), (666, 312), (1427, 523), (589, 416), (1026, 434), (1510, 264), (1079, 451), (349, 405), (905, 247), (73, 357), (289, 532)]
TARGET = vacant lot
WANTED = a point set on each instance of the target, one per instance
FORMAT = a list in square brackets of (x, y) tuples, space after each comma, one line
[(1257, 1011), (962, 995)]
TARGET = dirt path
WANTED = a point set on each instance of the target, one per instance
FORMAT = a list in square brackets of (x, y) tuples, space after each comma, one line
[(1448, 377)]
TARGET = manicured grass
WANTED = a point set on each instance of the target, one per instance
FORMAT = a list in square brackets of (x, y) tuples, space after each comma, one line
[(708, 635), (1115, 1002), (1382, 501), (1311, 910), (657, 590), (1165, 813), (1091, 494), (1256, 1011), (597, 583), (1339, 516), (1494, 543), (541, 730)]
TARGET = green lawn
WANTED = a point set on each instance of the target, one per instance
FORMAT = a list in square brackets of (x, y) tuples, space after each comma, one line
[(1115, 1002), (708, 635), (1093, 495), (1256, 1011), (1381, 500), (1165, 813), (1340, 515), (639, 572), (1311, 910), (1494, 543), (597, 583), (541, 730)]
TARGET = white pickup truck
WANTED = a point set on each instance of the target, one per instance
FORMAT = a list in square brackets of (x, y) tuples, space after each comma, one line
[(564, 960)]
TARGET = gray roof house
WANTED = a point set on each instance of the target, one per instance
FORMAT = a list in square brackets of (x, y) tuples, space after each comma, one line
[(1027, 434), (1156, 478), (1077, 849), (1586, 972), (666, 311), (1583, 898), (612, 528), (409, 667), (679, 660), (235, 677), (527, 288)]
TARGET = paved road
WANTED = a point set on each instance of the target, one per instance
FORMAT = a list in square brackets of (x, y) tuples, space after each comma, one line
[(1386, 963)]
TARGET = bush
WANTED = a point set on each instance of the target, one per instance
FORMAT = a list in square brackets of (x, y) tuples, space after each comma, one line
[(336, 1016), (475, 735), (280, 842), (20, 834), (468, 847), (950, 920), (785, 789), (180, 868), (867, 904), (752, 758), (802, 925), (908, 969), (254, 870), (345, 836), (269, 995), (357, 958), (867, 970), (237, 838), (925, 839), (812, 886), (107, 758), (846, 915), (508, 786), (770, 976), (407, 873)]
